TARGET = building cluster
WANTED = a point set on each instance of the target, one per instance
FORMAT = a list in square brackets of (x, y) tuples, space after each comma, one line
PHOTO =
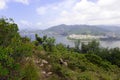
[(80, 36)]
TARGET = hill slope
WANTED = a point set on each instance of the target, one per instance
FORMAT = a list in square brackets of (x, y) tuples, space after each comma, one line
[(77, 29), (115, 29), (66, 65)]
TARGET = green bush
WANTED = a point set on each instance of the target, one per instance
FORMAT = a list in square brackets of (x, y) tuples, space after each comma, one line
[(30, 72)]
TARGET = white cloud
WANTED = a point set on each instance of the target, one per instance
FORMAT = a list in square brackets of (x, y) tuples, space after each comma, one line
[(55, 8), (26, 24), (26, 2), (3, 3), (84, 12), (41, 10)]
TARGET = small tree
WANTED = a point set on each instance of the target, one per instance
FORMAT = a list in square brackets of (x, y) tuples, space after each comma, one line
[(91, 47), (8, 30), (77, 45), (47, 42)]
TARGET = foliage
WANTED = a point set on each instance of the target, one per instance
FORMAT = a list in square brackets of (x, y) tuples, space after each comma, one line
[(21, 59), (13, 50), (77, 45), (91, 47), (8, 30), (46, 42), (114, 56), (30, 72)]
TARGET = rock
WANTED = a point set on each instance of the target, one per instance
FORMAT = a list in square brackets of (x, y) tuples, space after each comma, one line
[(44, 61), (65, 63), (61, 60), (49, 73), (43, 72), (41, 65), (27, 58)]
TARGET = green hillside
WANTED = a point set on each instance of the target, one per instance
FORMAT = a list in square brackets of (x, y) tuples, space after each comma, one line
[(42, 59)]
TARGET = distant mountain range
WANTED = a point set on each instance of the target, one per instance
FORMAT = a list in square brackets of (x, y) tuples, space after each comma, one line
[(78, 29), (83, 29)]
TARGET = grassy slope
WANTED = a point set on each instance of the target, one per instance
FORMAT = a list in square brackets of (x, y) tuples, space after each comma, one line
[(79, 66)]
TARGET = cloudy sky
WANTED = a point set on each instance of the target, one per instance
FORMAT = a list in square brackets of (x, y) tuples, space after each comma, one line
[(41, 14)]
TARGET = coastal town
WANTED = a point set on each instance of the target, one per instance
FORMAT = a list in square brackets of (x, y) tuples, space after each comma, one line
[(90, 37)]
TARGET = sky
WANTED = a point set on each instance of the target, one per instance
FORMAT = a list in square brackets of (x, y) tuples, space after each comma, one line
[(42, 14)]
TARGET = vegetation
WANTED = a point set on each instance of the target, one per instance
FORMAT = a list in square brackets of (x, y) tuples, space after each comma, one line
[(42, 59)]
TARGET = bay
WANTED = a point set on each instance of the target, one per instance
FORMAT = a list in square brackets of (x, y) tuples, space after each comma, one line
[(65, 41)]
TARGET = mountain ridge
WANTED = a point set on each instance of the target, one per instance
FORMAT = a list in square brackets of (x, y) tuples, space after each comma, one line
[(64, 29)]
